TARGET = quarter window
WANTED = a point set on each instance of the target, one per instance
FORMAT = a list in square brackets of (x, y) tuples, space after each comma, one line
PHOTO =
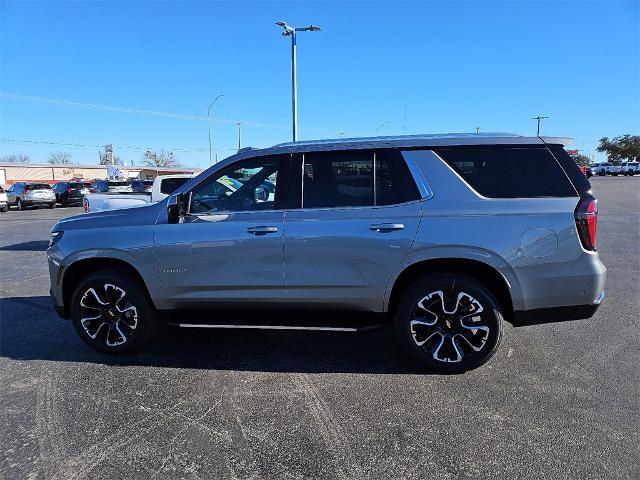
[(510, 172)]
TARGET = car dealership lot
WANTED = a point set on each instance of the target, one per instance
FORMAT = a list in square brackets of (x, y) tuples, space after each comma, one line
[(557, 400)]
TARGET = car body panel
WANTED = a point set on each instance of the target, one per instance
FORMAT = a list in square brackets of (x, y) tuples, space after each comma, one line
[(334, 258)]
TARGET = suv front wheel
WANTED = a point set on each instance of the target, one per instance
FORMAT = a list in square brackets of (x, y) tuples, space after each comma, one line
[(449, 322), (112, 313)]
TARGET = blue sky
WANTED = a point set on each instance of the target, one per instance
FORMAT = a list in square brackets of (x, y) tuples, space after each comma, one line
[(458, 65)]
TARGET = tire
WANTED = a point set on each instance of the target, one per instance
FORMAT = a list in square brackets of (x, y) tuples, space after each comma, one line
[(127, 316), (52, 205), (447, 343), (4, 209), (20, 205)]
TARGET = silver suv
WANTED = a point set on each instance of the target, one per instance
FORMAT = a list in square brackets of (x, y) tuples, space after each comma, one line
[(441, 237)]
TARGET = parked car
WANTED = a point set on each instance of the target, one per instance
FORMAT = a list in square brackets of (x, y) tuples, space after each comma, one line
[(71, 192), (23, 195), (588, 171), (141, 186), (630, 168), (455, 234), (161, 187), (603, 169), (4, 205)]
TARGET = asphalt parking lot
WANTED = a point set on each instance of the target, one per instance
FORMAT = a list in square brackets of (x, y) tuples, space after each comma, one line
[(557, 400)]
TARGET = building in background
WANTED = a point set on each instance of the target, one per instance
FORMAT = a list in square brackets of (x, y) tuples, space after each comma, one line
[(11, 173)]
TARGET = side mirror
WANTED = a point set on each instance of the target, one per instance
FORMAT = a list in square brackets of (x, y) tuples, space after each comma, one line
[(178, 207)]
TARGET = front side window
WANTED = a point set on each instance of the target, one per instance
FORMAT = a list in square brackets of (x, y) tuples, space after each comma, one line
[(248, 185), (356, 179)]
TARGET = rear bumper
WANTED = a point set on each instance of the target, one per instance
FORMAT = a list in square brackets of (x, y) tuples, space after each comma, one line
[(30, 203), (540, 316)]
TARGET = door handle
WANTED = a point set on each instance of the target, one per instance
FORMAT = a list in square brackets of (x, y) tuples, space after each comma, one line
[(386, 227), (262, 230)]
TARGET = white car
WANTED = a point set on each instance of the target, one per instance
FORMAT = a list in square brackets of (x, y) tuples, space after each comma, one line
[(630, 168), (4, 203)]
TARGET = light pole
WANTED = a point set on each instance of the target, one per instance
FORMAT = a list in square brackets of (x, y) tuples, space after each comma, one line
[(380, 126), (538, 118), (478, 129), (290, 31), (238, 124), (209, 120)]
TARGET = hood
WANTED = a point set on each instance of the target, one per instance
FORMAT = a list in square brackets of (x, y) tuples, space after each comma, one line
[(125, 217)]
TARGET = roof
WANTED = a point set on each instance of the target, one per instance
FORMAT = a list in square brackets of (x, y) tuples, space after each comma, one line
[(438, 139)]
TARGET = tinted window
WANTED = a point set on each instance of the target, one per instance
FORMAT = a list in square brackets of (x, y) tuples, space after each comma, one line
[(510, 172), (572, 169), (346, 179), (239, 188), (170, 185), (394, 183), (39, 186)]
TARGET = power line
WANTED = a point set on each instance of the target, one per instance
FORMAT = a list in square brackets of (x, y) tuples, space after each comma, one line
[(136, 111), (86, 145)]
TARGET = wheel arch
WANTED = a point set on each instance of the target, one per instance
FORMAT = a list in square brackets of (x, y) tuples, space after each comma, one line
[(79, 270), (486, 274)]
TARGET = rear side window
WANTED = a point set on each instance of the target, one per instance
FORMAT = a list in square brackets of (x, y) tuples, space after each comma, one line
[(356, 179), (510, 172)]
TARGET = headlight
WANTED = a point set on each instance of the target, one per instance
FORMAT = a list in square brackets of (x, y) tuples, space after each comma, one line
[(55, 238)]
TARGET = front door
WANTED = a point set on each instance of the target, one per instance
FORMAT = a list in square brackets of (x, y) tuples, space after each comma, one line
[(229, 247), (356, 222)]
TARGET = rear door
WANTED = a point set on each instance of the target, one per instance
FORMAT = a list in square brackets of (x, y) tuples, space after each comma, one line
[(351, 221)]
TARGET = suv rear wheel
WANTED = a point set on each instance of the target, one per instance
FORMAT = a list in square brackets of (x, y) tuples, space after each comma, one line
[(449, 322), (112, 313)]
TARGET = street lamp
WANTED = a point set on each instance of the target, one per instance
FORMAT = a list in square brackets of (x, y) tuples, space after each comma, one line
[(290, 31), (209, 120), (538, 118), (381, 125)]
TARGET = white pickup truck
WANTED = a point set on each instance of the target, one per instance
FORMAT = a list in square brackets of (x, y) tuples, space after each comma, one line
[(630, 168), (163, 186), (603, 169)]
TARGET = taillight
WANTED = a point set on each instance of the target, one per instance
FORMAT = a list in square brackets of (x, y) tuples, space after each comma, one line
[(586, 214), (71, 189)]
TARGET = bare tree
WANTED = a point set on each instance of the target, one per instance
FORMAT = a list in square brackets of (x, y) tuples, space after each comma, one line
[(16, 158), (60, 158), (161, 158)]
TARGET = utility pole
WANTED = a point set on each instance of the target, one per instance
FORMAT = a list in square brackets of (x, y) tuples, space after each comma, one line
[(478, 129), (290, 31), (340, 134), (238, 124), (404, 120), (209, 120), (538, 118)]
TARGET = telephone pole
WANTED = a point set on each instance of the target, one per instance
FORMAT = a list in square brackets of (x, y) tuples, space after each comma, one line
[(538, 118), (239, 134)]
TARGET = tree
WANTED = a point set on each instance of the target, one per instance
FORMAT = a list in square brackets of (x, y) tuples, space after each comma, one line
[(60, 158), (16, 158), (162, 158), (107, 157), (624, 147)]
